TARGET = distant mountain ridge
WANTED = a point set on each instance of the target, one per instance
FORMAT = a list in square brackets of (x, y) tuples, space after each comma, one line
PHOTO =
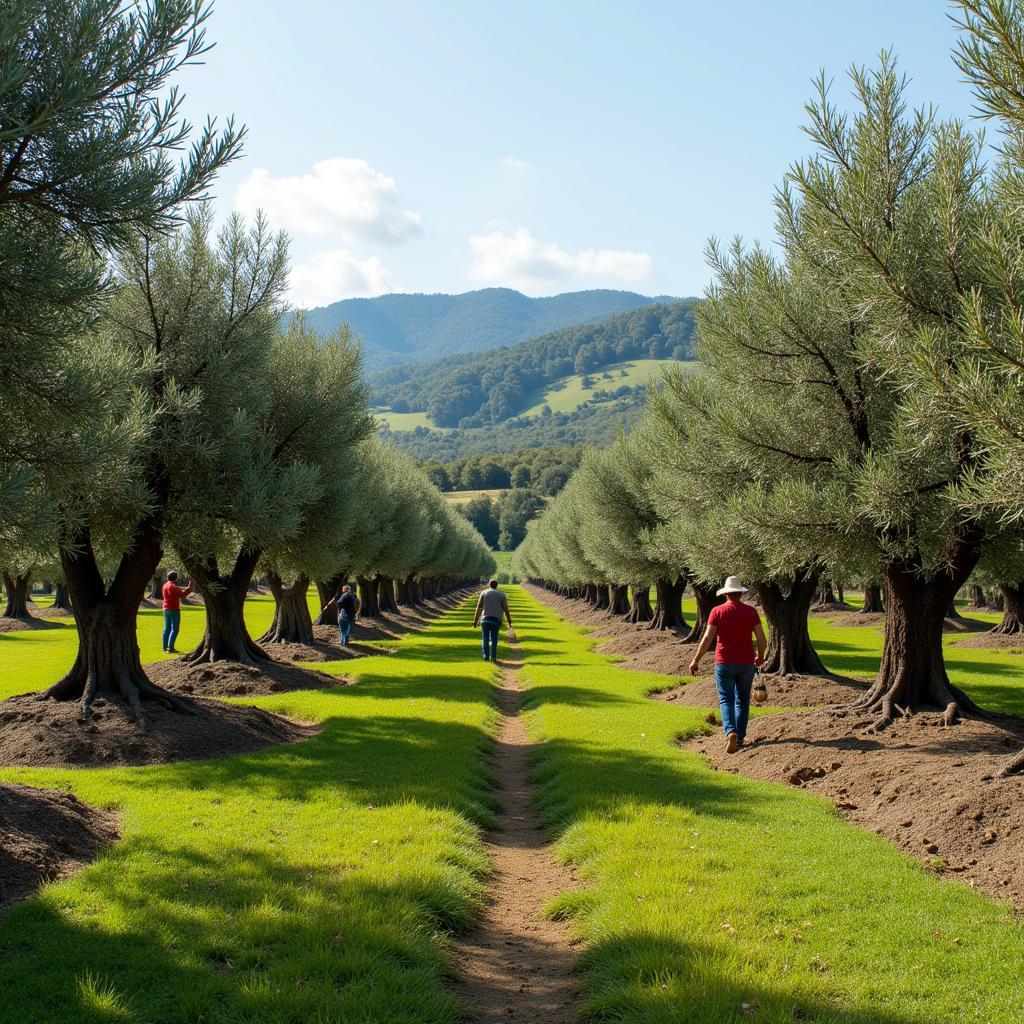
[(414, 328)]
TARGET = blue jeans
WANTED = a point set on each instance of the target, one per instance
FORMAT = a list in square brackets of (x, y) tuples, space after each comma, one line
[(734, 683), (344, 629), (172, 623), (489, 638)]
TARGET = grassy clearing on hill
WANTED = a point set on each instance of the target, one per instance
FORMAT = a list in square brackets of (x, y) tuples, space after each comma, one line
[(568, 394), (709, 898), (306, 883), (465, 497), (407, 420)]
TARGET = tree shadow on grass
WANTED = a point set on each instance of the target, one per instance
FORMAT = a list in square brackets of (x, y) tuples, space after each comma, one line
[(643, 976), (234, 935)]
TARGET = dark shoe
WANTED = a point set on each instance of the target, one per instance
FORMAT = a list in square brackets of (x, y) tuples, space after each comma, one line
[(171, 650), (732, 743)]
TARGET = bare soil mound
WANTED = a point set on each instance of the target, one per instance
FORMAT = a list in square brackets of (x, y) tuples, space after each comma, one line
[(1014, 643), (857, 619), (20, 625), (53, 613), (233, 679), (46, 733), (934, 792), (46, 835), (788, 691)]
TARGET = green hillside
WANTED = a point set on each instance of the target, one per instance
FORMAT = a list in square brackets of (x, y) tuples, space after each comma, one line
[(399, 328), (488, 388), (569, 393)]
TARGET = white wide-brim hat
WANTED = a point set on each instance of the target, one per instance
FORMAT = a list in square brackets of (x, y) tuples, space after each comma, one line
[(732, 586)]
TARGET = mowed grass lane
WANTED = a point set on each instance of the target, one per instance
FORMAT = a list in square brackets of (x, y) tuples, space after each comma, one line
[(710, 898), (308, 883)]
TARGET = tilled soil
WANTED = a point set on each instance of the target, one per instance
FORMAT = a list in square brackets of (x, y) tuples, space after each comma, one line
[(934, 792), (33, 622), (517, 965), (791, 691), (46, 835), (233, 679), (48, 733)]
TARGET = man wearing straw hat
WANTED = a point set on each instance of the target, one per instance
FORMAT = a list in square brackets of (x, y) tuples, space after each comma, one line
[(732, 627)]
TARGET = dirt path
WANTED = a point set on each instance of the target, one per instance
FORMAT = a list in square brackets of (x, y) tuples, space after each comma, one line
[(516, 965)]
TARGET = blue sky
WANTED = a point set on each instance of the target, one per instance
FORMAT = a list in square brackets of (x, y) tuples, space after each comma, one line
[(444, 146)]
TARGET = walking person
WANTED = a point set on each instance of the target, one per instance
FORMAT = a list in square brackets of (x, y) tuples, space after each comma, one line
[(172, 595), (490, 607), (732, 628), (349, 607)]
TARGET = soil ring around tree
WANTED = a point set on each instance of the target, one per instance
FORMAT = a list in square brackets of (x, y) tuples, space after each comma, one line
[(49, 612), (1011, 642), (933, 791), (783, 691), (24, 625), (46, 835), (47, 733), (855, 619), (233, 679)]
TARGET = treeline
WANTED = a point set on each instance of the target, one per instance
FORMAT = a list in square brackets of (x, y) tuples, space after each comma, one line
[(491, 387), (591, 423), (502, 521), (858, 406), (544, 470), (160, 403)]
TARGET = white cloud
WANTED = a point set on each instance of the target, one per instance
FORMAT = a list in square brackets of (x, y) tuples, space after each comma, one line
[(513, 163), (520, 260), (342, 196), (336, 274)]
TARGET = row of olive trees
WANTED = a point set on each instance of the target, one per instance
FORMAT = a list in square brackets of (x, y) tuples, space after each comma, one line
[(861, 390), (152, 396)]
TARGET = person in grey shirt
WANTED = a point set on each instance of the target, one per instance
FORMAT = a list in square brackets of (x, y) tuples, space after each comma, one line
[(491, 605)]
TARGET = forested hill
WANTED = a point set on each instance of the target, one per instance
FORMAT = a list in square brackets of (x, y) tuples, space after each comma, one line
[(400, 329), (487, 388)]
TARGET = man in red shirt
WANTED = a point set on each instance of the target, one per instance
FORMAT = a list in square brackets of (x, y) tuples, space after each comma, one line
[(172, 609), (732, 627)]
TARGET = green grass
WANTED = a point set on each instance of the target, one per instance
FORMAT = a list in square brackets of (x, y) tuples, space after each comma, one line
[(308, 883), (568, 394), (703, 891), (407, 420)]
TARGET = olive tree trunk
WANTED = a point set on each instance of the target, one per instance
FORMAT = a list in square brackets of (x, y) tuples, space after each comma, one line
[(107, 663), (1012, 621), (368, 596), (292, 623), (620, 599), (873, 599), (227, 636), (785, 606), (668, 607), (386, 595), (18, 589), (62, 597), (640, 609), (601, 601), (706, 600), (913, 672)]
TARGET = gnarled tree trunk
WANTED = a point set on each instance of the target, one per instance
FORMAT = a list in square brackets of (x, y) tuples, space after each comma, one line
[(227, 636), (640, 609), (1012, 621), (62, 597), (601, 602), (976, 596), (668, 607), (913, 673), (619, 600), (18, 588), (790, 651), (873, 599), (386, 595), (107, 664), (156, 588), (326, 590), (706, 600), (368, 596), (292, 623), (826, 595)]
